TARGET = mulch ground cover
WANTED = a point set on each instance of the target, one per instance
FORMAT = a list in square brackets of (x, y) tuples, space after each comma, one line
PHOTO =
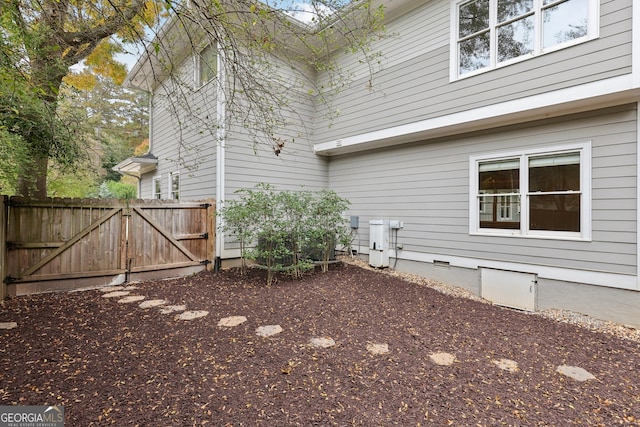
[(111, 363)]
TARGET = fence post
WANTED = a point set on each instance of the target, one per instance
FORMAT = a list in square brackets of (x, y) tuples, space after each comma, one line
[(3, 245)]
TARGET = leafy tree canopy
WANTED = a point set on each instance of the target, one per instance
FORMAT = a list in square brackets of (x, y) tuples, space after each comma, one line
[(40, 40)]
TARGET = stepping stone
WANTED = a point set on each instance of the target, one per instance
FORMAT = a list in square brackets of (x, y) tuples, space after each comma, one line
[(231, 321), (172, 309), (377, 348), (111, 288), (506, 365), (130, 299), (322, 342), (268, 331), (575, 372), (8, 325), (190, 315), (152, 303), (115, 294), (442, 359)]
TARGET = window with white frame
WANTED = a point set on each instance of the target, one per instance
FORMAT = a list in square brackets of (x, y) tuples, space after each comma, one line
[(206, 65), (533, 193), (490, 33), (157, 187), (174, 185)]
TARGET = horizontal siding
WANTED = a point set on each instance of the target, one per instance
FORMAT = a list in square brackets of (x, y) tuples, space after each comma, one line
[(418, 87), (183, 138), (426, 185), (250, 156), (294, 168), (407, 31)]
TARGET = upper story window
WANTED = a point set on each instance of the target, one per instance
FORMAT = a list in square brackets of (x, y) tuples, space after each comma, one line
[(535, 193), (206, 65), (157, 188), (174, 185), (491, 33)]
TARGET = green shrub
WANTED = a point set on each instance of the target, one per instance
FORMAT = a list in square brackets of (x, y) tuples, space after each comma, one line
[(286, 230), (117, 190)]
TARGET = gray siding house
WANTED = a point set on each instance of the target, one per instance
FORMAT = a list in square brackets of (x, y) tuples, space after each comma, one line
[(501, 142)]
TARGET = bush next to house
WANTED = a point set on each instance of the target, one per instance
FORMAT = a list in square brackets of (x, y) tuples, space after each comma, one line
[(287, 230)]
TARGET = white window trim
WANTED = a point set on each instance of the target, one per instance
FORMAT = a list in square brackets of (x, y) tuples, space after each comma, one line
[(157, 178), (170, 193), (585, 189), (593, 32), (196, 65)]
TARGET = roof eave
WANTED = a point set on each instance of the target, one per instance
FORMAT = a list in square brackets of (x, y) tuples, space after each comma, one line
[(137, 166)]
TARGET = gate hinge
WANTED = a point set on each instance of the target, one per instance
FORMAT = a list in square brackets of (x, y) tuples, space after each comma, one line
[(204, 235), (205, 205), (8, 280), (12, 245), (205, 262)]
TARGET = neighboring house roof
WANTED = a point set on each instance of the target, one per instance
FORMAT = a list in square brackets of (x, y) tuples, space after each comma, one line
[(137, 166)]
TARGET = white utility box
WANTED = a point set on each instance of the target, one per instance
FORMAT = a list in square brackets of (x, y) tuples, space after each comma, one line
[(379, 243)]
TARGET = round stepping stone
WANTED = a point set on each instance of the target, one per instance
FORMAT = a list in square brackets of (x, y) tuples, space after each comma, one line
[(130, 299), (152, 303), (8, 325), (324, 342), (442, 359), (115, 294), (377, 348), (268, 331), (190, 315), (575, 372), (231, 321), (506, 365), (172, 309)]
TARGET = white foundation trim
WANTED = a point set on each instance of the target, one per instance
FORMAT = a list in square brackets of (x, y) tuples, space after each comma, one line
[(611, 280)]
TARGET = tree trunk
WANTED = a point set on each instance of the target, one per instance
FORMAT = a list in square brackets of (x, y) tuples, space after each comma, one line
[(46, 78), (32, 181)]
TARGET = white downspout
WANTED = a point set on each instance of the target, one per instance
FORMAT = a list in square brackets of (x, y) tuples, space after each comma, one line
[(637, 195), (635, 73), (220, 161), (149, 137)]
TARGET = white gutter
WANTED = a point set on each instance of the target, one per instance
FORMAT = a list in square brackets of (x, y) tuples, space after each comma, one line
[(220, 160)]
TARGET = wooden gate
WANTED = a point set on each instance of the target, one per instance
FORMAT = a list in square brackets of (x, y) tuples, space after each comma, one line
[(61, 244)]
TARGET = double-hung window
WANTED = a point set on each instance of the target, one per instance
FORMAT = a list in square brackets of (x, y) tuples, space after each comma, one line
[(157, 187), (206, 65), (490, 33), (174, 185), (532, 193)]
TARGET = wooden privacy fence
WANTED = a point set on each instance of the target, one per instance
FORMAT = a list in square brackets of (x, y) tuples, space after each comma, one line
[(62, 244)]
